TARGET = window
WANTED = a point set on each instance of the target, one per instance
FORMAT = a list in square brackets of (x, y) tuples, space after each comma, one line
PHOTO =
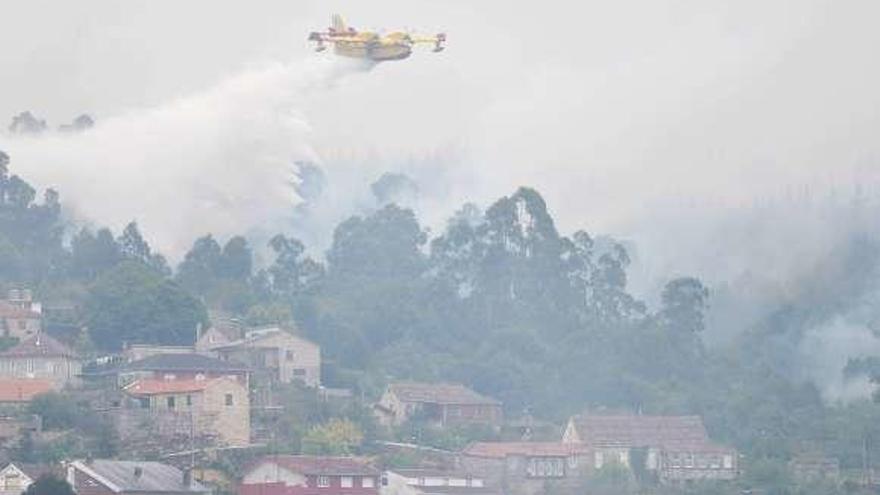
[(288, 355), (144, 402), (229, 401), (367, 482), (546, 467), (22, 325), (323, 481), (299, 372), (346, 482), (189, 400), (728, 462), (170, 402), (688, 460)]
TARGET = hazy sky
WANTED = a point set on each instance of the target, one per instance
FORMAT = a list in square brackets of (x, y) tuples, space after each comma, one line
[(623, 114)]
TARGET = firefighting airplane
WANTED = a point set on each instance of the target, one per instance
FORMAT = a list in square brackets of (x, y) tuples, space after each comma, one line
[(348, 42)]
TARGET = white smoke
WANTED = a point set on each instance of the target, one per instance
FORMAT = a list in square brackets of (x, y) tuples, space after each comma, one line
[(219, 161), (829, 348)]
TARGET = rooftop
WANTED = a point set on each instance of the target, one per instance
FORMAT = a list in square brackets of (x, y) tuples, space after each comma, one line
[(138, 476), (185, 362), (439, 393), (23, 389), (40, 345), (640, 431), (253, 338), (321, 465), (160, 387), (500, 450)]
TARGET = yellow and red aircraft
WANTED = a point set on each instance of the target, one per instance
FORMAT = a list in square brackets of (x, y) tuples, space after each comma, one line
[(349, 42)]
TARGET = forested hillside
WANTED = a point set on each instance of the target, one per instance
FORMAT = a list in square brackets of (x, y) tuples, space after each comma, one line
[(499, 300)]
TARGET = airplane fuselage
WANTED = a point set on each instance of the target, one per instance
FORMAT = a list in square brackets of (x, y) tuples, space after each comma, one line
[(377, 51)]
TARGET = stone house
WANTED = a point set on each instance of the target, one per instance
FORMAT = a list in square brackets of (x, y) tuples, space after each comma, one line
[(16, 477), (107, 477), (672, 448), (212, 411), (41, 356), (310, 475), (20, 316), (434, 482), (528, 468), (276, 356), (441, 403)]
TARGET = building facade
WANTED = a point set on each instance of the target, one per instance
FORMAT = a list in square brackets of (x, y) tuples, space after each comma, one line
[(434, 482), (310, 475), (211, 412), (41, 357), (20, 316), (672, 448), (441, 403), (528, 468), (276, 355)]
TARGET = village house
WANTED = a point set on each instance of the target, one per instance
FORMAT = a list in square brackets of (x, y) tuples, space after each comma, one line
[(20, 316), (41, 356), (107, 477), (434, 482), (276, 356), (16, 477), (673, 448), (528, 468), (442, 403), (181, 366), (310, 475), (212, 411)]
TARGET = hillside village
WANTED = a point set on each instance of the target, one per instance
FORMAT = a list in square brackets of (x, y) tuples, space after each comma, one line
[(499, 356), (180, 412)]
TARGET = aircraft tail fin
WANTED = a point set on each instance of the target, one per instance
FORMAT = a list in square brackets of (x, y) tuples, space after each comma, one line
[(337, 24)]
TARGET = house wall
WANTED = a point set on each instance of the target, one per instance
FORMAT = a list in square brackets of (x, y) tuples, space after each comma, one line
[(310, 487), (60, 370), (471, 413), (391, 410), (13, 481), (517, 474), (206, 416), (687, 466), (288, 357), (21, 327)]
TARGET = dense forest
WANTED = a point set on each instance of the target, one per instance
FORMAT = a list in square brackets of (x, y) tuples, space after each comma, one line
[(499, 300)]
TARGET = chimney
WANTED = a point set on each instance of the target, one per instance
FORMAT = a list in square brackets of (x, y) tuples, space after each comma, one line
[(138, 472)]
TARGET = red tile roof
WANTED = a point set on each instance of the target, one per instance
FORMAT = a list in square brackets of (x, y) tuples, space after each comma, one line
[(40, 345), (640, 431), (499, 450), (23, 389), (159, 387), (439, 393), (321, 465)]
